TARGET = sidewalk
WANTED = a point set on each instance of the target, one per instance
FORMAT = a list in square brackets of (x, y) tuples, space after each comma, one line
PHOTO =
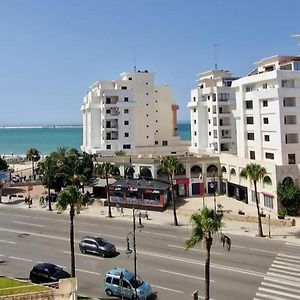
[(186, 207)]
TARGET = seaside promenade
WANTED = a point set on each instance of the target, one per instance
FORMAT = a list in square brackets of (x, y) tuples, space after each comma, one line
[(245, 225)]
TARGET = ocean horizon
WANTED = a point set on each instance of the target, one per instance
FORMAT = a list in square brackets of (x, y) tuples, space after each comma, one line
[(17, 140)]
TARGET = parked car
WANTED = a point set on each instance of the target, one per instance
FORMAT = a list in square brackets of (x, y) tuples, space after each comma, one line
[(121, 282), (47, 272), (97, 245)]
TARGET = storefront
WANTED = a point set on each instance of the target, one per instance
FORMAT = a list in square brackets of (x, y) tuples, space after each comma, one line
[(182, 186)]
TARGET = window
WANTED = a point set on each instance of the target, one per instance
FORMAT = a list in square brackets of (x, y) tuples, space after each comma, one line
[(108, 279), (108, 147), (287, 83), (126, 146), (126, 284), (268, 201), (195, 122), (194, 99), (292, 159), (147, 94), (265, 103), (129, 78), (195, 145), (267, 138), (252, 154), (125, 99), (116, 281), (147, 115), (108, 100), (108, 111), (126, 134), (291, 138), (208, 110), (108, 136), (146, 82), (249, 104), (289, 101), (147, 126), (209, 133), (269, 155), (250, 136), (250, 87), (253, 196), (265, 85), (195, 110), (250, 120), (208, 121), (266, 120), (292, 119), (156, 142), (195, 133), (165, 143), (126, 111), (126, 122), (124, 87)]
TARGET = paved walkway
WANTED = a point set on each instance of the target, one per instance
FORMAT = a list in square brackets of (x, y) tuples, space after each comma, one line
[(233, 223)]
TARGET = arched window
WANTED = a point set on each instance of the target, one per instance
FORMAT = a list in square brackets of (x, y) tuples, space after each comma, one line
[(267, 180), (288, 180), (232, 171), (129, 171), (224, 170), (146, 173), (212, 169), (196, 171)]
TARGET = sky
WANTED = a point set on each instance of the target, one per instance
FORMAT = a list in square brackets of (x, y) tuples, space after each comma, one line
[(51, 51)]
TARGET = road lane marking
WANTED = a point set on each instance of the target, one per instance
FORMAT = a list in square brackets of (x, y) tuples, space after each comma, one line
[(274, 269), (289, 256), (288, 260), (283, 276), (84, 255), (30, 224), (167, 289), (98, 234), (261, 250), (265, 296), (89, 272), (296, 284), (183, 275), (284, 267), (288, 289), (20, 258), (271, 291), (285, 263), (292, 244), (7, 242), (161, 234), (193, 249)]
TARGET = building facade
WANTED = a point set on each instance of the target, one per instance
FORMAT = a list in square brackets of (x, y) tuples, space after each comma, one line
[(212, 122), (130, 114)]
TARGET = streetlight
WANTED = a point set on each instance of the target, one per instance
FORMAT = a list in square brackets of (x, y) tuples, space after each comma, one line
[(128, 250), (213, 186)]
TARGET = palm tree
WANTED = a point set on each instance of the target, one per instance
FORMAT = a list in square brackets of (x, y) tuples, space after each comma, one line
[(105, 170), (169, 165), (205, 224), (70, 196), (33, 155), (255, 172)]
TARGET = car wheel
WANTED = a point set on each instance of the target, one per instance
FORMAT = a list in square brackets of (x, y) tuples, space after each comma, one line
[(33, 279), (109, 292), (82, 250)]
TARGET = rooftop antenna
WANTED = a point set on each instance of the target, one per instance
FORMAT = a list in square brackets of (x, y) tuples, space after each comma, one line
[(215, 56), (134, 64)]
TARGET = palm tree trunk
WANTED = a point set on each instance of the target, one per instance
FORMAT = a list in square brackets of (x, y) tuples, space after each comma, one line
[(173, 202), (207, 268), (49, 199), (260, 231), (72, 212), (32, 163), (108, 198)]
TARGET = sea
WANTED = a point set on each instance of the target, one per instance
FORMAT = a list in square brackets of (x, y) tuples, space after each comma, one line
[(18, 140)]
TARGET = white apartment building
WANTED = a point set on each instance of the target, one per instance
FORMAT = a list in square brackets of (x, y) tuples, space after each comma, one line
[(268, 111), (130, 114), (212, 122)]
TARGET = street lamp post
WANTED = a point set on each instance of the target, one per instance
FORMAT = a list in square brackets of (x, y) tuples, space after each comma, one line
[(128, 250), (213, 186)]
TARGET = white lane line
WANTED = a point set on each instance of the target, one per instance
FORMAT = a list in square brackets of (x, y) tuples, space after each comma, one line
[(84, 255), (265, 296), (183, 275), (289, 256), (7, 242), (281, 281), (161, 234), (30, 224), (271, 291), (271, 285), (284, 272), (261, 250), (276, 275), (292, 244), (285, 268), (20, 258), (289, 260), (167, 289), (193, 249), (285, 263), (89, 272)]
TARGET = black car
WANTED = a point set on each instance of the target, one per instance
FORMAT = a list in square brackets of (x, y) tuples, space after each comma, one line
[(97, 245), (46, 272)]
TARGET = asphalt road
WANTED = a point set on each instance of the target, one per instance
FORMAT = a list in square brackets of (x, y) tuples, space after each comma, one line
[(253, 268)]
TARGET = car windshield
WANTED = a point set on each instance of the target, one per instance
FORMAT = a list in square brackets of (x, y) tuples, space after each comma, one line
[(53, 269), (101, 242), (137, 283)]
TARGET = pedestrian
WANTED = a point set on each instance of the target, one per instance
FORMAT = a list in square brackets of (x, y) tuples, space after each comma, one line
[(29, 202)]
